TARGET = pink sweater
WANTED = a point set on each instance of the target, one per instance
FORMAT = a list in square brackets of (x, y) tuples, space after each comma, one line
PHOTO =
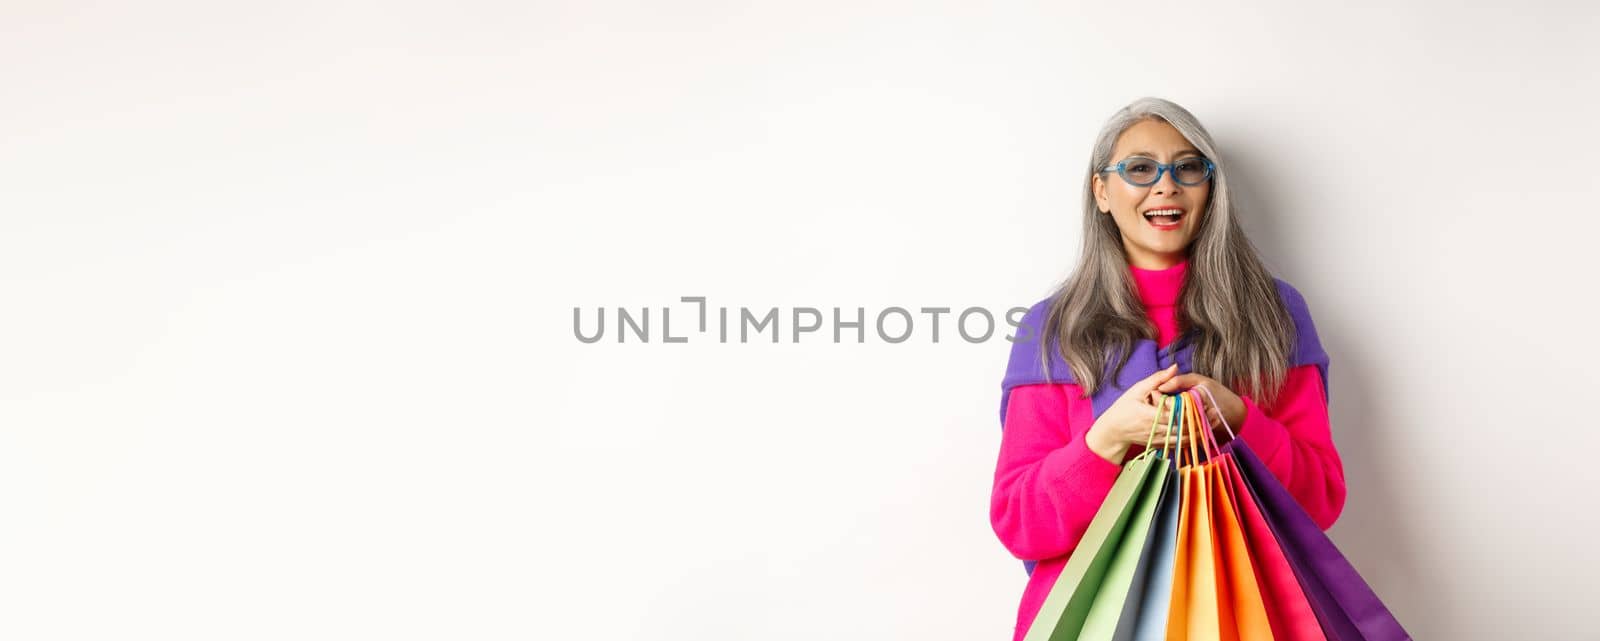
[(1048, 484)]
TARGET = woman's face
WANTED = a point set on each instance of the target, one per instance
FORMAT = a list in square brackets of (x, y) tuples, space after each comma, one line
[(1152, 243)]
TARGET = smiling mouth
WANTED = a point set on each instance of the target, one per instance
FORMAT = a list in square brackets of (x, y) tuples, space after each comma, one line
[(1165, 219)]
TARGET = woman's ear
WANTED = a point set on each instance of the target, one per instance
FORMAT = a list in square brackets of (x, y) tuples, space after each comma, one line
[(1100, 199)]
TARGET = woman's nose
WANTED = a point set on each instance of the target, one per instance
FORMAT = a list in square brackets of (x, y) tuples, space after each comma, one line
[(1167, 184)]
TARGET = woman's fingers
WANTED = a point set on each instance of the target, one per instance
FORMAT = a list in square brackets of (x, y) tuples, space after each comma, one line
[(1181, 382), (1143, 388)]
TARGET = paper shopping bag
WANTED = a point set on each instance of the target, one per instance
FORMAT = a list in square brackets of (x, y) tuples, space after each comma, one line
[(1121, 597), (1107, 553), (1194, 613), (1144, 614), (1110, 601), (1241, 610), (1345, 605), (1288, 610), (1066, 606)]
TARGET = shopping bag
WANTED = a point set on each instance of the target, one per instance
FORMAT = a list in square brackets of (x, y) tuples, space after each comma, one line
[(1346, 607), (1194, 613), (1144, 615), (1287, 610), (1242, 612), (1121, 591), (1066, 606)]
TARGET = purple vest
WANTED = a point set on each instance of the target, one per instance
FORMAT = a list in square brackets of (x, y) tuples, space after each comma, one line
[(1024, 367)]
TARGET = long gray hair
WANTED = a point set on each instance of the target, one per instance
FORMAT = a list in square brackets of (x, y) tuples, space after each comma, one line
[(1228, 307)]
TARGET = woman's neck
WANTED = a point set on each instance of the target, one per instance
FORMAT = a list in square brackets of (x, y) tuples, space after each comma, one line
[(1155, 262)]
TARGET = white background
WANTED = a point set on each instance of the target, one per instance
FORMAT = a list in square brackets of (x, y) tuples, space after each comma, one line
[(286, 344)]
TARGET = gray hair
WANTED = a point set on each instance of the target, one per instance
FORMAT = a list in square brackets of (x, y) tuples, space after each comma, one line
[(1229, 305)]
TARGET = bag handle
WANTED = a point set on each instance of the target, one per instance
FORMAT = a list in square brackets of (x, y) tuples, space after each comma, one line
[(1173, 422), (1175, 419), (1207, 436), (1225, 424), (1197, 452), (1153, 423), (1169, 451)]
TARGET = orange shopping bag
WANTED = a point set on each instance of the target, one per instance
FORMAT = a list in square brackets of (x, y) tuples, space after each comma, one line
[(1242, 610), (1193, 613), (1289, 612)]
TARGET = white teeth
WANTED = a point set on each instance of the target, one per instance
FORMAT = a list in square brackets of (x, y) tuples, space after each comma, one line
[(1164, 212)]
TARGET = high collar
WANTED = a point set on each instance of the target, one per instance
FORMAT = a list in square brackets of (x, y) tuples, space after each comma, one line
[(1159, 287)]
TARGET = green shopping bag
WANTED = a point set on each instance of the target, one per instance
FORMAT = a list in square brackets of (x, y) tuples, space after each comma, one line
[(1062, 615), (1132, 549)]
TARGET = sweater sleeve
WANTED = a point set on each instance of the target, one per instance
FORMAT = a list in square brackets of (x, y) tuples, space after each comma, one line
[(1048, 484), (1296, 444)]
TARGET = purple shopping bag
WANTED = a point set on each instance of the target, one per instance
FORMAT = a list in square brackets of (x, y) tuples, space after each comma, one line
[(1343, 602)]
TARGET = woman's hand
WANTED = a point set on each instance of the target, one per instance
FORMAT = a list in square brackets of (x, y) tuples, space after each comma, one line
[(1231, 406), (1129, 419)]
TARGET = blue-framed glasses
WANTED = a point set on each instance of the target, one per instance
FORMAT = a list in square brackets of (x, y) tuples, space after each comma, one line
[(1144, 172)]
